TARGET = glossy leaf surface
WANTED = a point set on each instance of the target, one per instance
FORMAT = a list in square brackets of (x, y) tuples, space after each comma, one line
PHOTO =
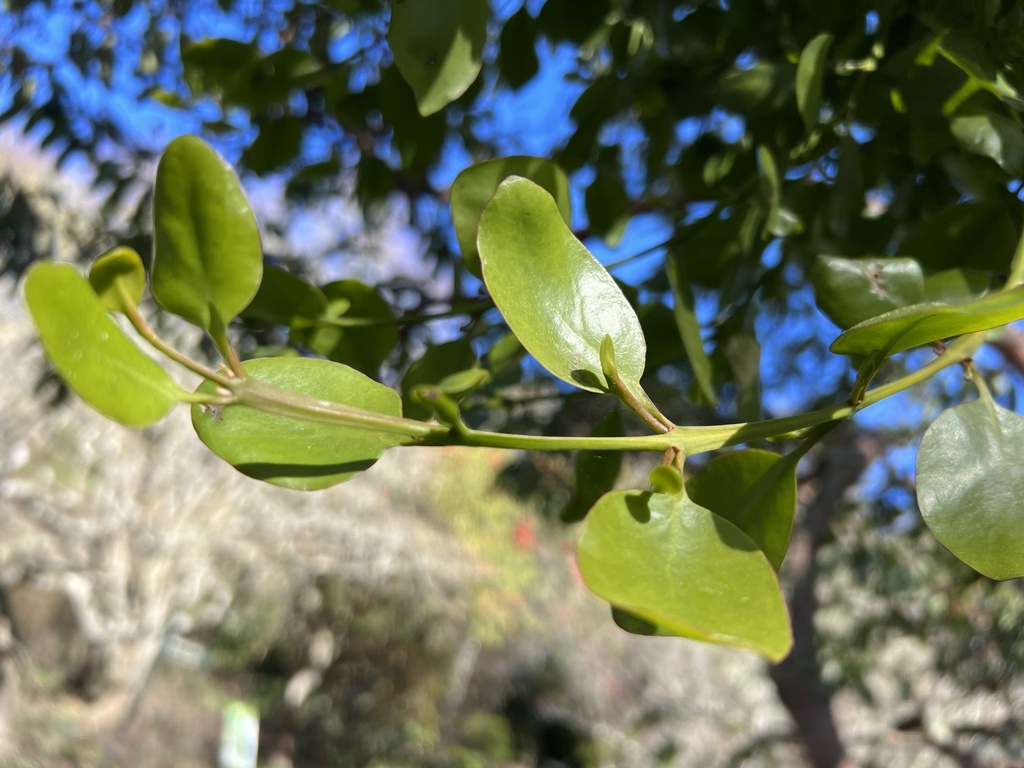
[(119, 270), (554, 295), (476, 185), (810, 73), (88, 349), (437, 47), (850, 291), (294, 453), (207, 257), (923, 323), (754, 490), (970, 479), (674, 564)]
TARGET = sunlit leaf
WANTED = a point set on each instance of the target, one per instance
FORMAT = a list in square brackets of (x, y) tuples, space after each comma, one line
[(552, 292), (437, 47), (676, 565), (924, 323), (95, 357), (810, 73), (755, 491), (476, 185), (970, 479), (207, 257), (117, 276), (850, 291), (291, 452)]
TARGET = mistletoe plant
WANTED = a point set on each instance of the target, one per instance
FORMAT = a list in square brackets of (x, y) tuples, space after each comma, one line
[(692, 556)]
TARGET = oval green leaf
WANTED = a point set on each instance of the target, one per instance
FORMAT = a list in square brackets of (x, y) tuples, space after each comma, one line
[(991, 135), (437, 47), (674, 564), (476, 185), (294, 453), (555, 296), (850, 291), (755, 491), (207, 257), (810, 75), (970, 479), (95, 357), (920, 324), (119, 279)]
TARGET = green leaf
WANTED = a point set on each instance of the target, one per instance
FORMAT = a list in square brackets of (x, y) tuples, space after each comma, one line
[(437, 363), (924, 323), (955, 284), (608, 209), (437, 47), (370, 335), (810, 74), (284, 299), (755, 491), (554, 295), (685, 314), (277, 144), (92, 353), (207, 257), (991, 135), (294, 453), (850, 291), (517, 56), (118, 276), (596, 471), (672, 563), (476, 185), (970, 479), (781, 222)]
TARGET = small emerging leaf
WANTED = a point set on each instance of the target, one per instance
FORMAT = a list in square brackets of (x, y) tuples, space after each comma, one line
[(119, 270), (92, 353), (970, 479), (295, 453)]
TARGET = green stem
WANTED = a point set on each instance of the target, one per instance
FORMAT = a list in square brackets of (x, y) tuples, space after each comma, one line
[(689, 440), (145, 331)]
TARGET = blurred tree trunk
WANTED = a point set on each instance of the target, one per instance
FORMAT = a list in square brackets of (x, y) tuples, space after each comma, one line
[(798, 678)]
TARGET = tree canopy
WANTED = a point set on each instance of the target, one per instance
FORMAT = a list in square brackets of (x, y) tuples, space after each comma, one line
[(859, 162)]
